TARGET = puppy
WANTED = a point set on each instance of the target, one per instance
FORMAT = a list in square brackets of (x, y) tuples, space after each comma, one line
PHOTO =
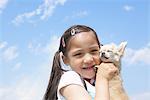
[(113, 53)]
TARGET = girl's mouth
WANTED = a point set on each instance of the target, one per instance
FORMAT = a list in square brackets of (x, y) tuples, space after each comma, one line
[(88, 68)]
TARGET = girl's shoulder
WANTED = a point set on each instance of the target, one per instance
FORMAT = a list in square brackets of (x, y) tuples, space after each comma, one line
[(70, 74), (68, 78)]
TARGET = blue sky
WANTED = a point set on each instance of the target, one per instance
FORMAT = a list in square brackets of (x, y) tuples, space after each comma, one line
[(30, 31)]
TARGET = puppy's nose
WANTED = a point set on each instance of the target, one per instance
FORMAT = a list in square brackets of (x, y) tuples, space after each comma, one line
[(103, 53)]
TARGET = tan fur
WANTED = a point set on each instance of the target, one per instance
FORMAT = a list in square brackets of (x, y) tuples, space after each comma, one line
[(113, 53)]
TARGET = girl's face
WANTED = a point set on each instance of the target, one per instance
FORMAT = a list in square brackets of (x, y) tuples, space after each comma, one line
[(83, 54)]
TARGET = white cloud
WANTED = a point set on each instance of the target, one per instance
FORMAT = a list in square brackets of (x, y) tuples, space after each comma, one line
[(42, 12), (139, 55), (128, 8), (29, 86), (3, 4), (17, 66), (79, 14), (142, 96), (35, 48), (3, 45), (9, 54), (48, 50), (51, 47), (24, 89)]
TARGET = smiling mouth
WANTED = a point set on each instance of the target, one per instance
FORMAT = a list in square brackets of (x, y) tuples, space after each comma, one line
[(104, 57), (91, 67)]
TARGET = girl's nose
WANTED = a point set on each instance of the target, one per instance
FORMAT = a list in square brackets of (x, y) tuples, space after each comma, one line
[(88, 58)]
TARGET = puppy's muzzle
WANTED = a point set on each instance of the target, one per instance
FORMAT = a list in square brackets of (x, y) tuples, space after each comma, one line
[(103, 55)]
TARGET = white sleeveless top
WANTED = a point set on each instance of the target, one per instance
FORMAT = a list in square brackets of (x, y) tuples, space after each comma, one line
[(71, 77)]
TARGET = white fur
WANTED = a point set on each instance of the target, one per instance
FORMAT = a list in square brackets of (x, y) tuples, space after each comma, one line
[(113, 53)]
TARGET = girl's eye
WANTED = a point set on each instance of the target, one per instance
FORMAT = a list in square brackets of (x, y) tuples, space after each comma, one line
[(77, 54), (95, 51)]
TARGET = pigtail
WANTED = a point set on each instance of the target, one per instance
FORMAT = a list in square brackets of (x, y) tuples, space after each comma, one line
[(51, 92)]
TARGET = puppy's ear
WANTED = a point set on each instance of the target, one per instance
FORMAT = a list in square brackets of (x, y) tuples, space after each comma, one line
[(121, 47)]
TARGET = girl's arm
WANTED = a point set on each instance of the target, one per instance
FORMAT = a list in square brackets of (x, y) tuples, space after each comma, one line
[(75, 92), (102, 88), (104, 73), (71, 87)]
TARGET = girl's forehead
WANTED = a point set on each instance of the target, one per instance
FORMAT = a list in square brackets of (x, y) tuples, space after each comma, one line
[(83, 36), (83, 40)]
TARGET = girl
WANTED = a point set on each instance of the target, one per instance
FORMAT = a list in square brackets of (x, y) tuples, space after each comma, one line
[(73, 75)]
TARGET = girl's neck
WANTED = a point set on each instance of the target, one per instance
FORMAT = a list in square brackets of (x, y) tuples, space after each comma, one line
[(91, 81)]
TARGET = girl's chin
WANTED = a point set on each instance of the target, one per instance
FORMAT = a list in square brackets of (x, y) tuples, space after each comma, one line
[(90, 76)]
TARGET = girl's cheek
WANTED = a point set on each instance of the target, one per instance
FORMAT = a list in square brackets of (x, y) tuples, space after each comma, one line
[(97, 60)]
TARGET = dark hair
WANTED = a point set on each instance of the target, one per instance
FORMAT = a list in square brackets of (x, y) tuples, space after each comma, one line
[(57, 71)]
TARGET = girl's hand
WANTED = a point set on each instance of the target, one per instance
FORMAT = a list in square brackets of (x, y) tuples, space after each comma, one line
[(106, 70)]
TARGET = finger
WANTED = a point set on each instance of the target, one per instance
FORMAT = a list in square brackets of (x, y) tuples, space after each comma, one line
[(115, 72), (96, 66)]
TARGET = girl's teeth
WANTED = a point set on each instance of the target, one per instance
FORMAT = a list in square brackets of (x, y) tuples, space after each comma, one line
[(88, 67)]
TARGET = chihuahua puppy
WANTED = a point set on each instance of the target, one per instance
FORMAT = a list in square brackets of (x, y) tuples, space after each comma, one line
[(113, 53)]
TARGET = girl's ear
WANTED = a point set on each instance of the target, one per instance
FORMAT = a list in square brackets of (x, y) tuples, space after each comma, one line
[(65, 60)]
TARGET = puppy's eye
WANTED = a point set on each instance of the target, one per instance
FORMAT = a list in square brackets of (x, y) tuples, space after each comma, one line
[(109, 51), (116, 54)]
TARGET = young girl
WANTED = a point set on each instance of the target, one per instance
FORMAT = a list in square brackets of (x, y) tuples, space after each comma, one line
[(73, 75)]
